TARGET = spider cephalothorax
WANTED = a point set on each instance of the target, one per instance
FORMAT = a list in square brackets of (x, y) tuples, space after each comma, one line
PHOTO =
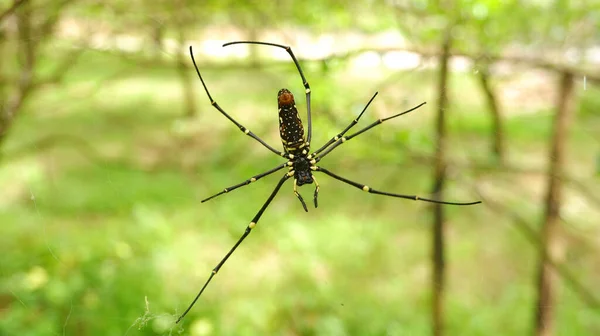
[(300, 162)]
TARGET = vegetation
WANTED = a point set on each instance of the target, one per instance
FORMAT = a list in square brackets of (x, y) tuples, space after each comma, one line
[(106, 153)]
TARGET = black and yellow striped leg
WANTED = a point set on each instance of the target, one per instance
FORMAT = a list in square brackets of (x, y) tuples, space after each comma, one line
[(246, 233), (304, 81), (316, 190), (373, 191), (248, 181), (298, 194), (344, 139), (240, 126), (337, 137)]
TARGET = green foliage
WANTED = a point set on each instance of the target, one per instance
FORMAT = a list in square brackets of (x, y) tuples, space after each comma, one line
[(590, 103), (102, 236), (103, 233)]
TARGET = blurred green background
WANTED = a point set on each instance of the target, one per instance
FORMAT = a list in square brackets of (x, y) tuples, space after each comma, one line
[(108, 143)]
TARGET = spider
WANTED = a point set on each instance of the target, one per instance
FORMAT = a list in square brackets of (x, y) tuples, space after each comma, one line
[(301, 163)]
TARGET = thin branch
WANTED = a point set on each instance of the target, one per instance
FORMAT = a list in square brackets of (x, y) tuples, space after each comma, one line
[(11, 9), (506, 168), (592, 75), (586, 295), (61, 69)]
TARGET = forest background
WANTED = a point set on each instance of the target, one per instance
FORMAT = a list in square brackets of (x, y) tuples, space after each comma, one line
[(108, 144)]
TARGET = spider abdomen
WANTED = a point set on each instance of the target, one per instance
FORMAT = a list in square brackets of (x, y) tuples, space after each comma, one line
[(291, 129)]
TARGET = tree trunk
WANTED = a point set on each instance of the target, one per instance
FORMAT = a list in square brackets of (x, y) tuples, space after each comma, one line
[(254, 56), (497, 127), (31, 34), (187, 84), (550, 247), (26, 51), (157, 34), (438, 259), (6, 13)]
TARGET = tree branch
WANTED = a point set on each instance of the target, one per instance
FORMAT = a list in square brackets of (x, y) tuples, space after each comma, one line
[(4, 14), (531, 235)]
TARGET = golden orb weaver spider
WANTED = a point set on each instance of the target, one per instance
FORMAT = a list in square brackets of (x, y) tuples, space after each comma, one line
[(301, 163)]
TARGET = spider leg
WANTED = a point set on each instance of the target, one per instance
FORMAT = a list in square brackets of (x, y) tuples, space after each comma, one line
[(298, 195), (373, 191), (337, 137), (240, 126), (344, 139), (245, 183), (246, 233), (316, 190), (304, 81)]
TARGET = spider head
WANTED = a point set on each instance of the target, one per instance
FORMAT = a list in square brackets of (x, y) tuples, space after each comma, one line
[(285, 98)]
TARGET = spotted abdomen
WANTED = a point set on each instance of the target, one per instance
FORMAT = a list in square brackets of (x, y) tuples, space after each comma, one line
[(290, 125)]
